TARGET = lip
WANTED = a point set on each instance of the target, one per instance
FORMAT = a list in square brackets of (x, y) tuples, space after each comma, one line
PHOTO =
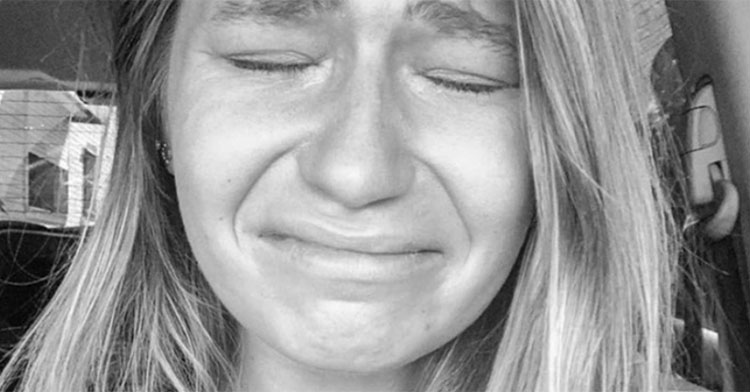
[(353, 256), (381, 241)]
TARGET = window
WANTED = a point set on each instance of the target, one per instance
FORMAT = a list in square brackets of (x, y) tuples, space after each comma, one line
[(89, 172), (53, 146), (47, 185)]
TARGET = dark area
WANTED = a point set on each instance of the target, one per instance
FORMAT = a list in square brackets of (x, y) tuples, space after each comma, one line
[(709, 47), (32, 259), (62, 39)]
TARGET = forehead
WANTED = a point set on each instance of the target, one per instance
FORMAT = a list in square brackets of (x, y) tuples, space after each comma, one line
[(291, 11), (489, 21)]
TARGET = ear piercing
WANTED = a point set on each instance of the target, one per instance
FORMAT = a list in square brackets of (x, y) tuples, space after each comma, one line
[(165, 153)]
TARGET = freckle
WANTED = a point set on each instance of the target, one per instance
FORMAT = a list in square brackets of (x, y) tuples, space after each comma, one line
[(427, 327)]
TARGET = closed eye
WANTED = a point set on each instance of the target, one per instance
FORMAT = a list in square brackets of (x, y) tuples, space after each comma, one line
[(466, 83), (271, 67)]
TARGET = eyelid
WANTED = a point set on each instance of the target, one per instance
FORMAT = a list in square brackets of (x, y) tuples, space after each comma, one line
[(271, 62), (461, 76), (463, 81), (273, 56)]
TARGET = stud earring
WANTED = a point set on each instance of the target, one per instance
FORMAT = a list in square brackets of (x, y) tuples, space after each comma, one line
[(166, 154)]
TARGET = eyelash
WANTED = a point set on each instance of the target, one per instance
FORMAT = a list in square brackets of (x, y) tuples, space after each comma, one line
[(271, 67), (464, 87), (295, 68)]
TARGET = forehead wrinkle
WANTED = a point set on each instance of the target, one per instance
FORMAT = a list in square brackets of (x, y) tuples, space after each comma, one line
[(450, 19), (270, 11)]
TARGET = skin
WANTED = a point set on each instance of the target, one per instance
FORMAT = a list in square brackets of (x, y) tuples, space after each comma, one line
[(359, 208)]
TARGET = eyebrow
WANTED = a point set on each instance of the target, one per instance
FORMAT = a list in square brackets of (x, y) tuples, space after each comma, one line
[(452, 20), (447, 18), (272, 11)]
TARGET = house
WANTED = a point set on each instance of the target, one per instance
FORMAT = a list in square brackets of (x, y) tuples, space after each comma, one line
[(52, 145)]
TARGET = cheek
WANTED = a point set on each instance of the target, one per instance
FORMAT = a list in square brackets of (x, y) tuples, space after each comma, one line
[(223, 140), (479, 156)]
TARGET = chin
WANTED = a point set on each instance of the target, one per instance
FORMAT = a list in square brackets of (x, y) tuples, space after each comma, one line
[(361, 359), (341, 348)]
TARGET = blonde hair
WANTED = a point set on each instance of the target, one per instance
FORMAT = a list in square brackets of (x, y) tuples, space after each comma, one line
[(587, 308)]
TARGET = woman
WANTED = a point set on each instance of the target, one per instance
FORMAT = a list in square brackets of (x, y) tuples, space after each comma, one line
[(355, 195)]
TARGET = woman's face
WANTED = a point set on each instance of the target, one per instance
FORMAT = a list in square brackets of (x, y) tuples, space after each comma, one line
[(351, 174)]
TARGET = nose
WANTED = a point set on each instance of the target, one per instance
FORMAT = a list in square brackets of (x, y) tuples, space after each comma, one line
[(359, 159)]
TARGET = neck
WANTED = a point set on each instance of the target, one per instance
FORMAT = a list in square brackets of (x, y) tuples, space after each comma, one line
[(266, 370)]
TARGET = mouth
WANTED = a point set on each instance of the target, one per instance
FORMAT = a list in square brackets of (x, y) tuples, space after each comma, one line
[(383, 259), (371, 247)]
